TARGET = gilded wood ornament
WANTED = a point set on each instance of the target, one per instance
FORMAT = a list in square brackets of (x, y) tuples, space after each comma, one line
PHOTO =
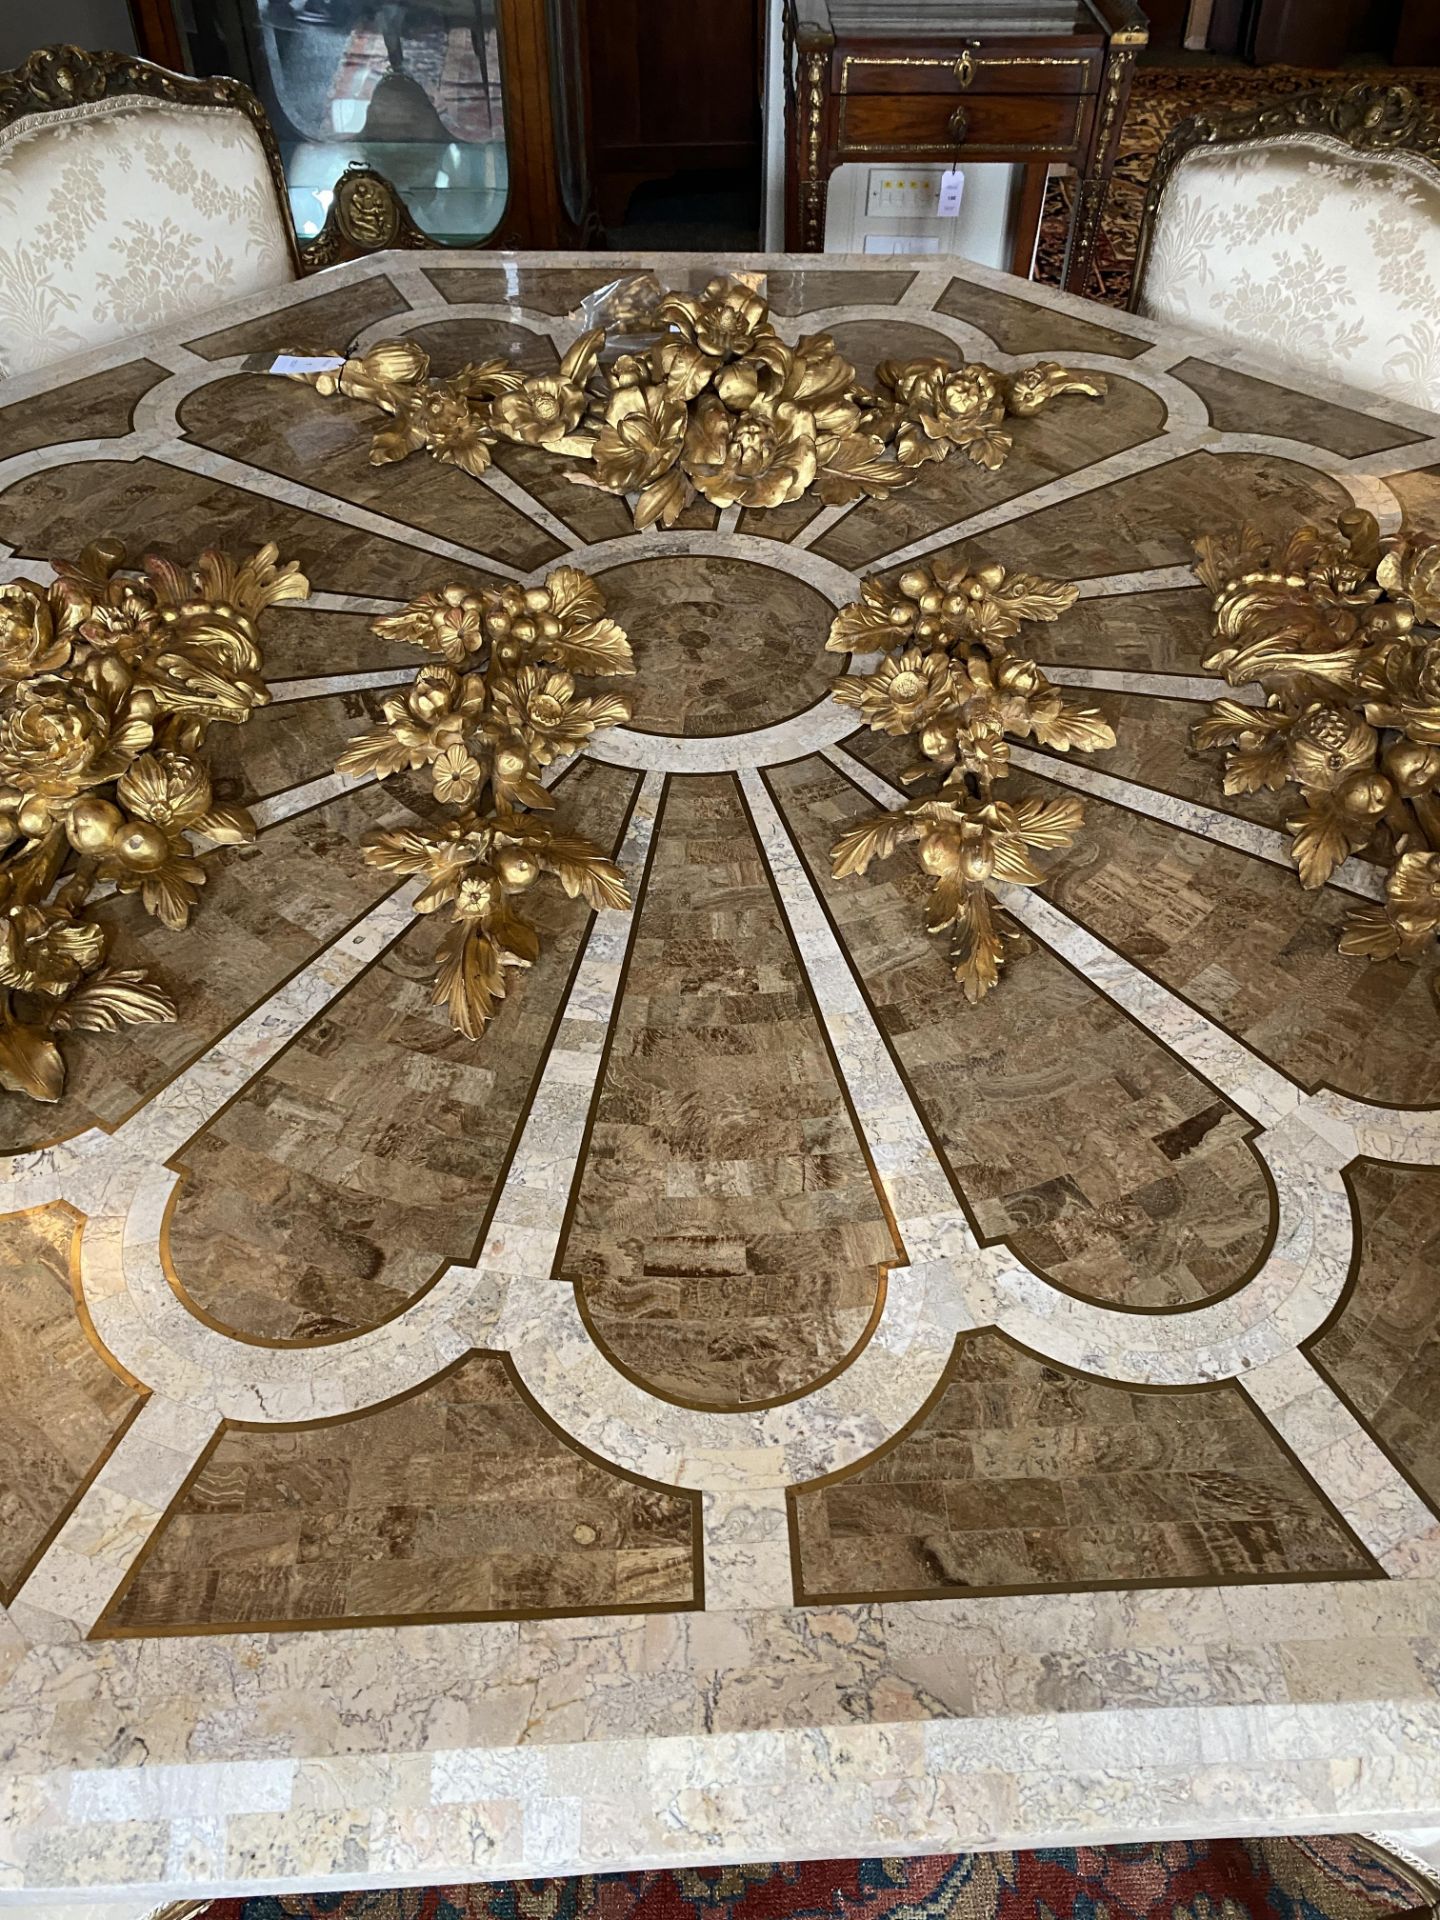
[(949, 677), (109, 682), (494, 707), (1340, 632), (721, 407)]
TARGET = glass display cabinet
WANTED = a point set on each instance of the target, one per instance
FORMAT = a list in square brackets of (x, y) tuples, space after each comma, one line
[(474, 110)]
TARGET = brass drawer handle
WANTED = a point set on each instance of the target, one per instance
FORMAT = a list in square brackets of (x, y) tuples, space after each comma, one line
[(965, 68), (958, 125)]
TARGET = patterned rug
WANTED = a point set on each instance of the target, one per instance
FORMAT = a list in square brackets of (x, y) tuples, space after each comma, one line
[(1329, 1879), (1159, 99)]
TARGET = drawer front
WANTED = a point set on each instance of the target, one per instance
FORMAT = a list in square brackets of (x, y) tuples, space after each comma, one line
[(969, 71), (1001, 124)]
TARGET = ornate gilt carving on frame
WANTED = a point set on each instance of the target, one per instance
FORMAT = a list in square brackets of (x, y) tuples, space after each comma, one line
[(1369, 120)]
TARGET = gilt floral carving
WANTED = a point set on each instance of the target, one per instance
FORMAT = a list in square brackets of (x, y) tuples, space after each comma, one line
[(722, 408), (950, 678), (495, 707), (1339, 633), (109, 682)]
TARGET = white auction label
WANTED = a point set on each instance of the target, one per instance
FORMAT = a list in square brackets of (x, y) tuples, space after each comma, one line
[(952, 185), (306, 362)]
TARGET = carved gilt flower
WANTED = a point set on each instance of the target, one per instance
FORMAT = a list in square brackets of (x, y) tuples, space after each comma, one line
[(30, 641)]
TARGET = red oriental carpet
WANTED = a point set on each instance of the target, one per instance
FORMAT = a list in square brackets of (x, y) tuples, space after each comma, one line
[(1328, 1879)]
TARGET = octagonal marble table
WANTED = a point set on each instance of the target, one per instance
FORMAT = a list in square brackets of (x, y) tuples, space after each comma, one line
[(753, 1405)]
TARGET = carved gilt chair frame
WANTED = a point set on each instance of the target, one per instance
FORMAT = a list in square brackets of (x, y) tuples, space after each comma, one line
[(1369, 120), (365, 215)]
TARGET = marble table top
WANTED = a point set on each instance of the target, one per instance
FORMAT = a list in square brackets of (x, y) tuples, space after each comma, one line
[(752, 1404)]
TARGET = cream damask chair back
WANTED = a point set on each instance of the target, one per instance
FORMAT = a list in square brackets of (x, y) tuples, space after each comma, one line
[(129, 198), (1309, 232)]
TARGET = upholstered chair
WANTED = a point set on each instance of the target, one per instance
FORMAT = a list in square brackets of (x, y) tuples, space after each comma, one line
[(131, 198), (1308, 233)]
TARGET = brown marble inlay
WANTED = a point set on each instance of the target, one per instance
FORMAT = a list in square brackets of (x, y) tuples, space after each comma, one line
[(727, 1237), (1020, 326), (1151, 519), (865, 343), (265, 911), (1252, 948), (1074, 434), (457, 1502), (721, 646), (1072, 1133), (1152, 745), (1239, 403), (99, 407), (1419, 497), (301, 643), (62, 1407), (1023, 1475), (366, 1157), (287, 428), (811, 289), (1382, 1348), (326, 323), (285, 744), (156, 508), (1165, 632), (780, 523)]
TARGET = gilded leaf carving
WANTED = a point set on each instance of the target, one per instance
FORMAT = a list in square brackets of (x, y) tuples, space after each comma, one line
[(496, 706), (722, 408), (951, 680), (1337, 630), (109, 682)]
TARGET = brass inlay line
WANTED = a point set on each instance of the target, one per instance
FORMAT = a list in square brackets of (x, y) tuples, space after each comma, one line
[(977, 63)]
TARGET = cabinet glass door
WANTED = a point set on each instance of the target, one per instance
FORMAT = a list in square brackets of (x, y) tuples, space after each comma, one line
[(413, 90)]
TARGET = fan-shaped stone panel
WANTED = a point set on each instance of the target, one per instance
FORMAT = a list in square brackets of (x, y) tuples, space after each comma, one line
[(1382, 1345), (1071, 435), (325, 323), (1151, 519), (1070, 1132), (1239, 403), (265, 911), (1165, 632), (1027, 326), (156, 508), (63, 1407), (727, 1238), (721, 646), (1247, 944), (99, 407), (369, 1154), (458, 1502), (1023, 1476), (286, 427)]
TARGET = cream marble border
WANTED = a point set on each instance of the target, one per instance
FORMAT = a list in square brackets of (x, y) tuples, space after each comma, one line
[(555, 1745)]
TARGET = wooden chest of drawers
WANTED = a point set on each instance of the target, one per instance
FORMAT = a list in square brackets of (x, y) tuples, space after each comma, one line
[(904, 83)]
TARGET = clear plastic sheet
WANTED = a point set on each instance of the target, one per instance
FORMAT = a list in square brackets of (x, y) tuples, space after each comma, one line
[(625, 308)]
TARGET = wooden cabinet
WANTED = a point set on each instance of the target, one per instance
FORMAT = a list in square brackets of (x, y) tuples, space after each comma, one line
[(671, 87), (892, 82)]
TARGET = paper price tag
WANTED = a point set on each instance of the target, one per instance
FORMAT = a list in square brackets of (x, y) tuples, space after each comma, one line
[(952, 186), (306, 362)]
